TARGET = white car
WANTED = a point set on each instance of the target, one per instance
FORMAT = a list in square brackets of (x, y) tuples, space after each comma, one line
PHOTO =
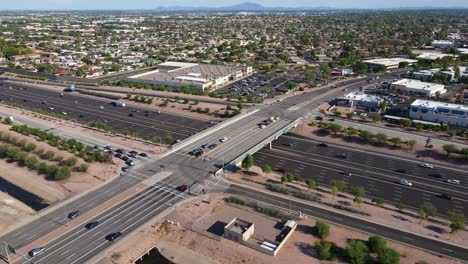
[(36, 251), (406, 183), (224, 139), (427, 165), (453, 181), (102, 107), (64, 113)]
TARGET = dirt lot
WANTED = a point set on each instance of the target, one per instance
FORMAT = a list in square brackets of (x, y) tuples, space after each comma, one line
[(12, 211), (299, 248)]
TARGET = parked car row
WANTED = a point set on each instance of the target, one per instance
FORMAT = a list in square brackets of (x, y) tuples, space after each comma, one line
[(123, 155)]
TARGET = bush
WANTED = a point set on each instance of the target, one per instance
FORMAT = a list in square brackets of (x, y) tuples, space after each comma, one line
[(83, 167), (389, 256), (357, 252), (51, 170), (62, 173), (58, 158), (30, 162), (321, 230), (376, 244), (277, 188), (325, 250), (49, 155), (70, 161), (29, 147)]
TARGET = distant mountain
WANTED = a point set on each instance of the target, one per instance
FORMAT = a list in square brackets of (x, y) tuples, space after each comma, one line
[(247, 7)]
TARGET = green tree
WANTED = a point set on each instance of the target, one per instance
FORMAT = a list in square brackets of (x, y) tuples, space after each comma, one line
[(383, 106), (70, 161), (29, 147), (334, 191), (396, 141), (30, 161), (83, 167), (62, 173), (411, 143), (350, 115), (389, 256), (357, 191), (311, 184), (405, 122), (358, 200), (169, 140), (266, 169), (321, 230), (450, 148), (248, 162), (381, 137), (357, 252), (49, 155), (341, 185), (366, 135), (325, 250), (7, 121), (427, 210), (378, 201), (457, 221), (335, 128), (376, 244), (376, 118)]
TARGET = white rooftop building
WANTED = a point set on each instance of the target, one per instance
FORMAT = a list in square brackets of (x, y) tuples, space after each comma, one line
[(439, 112), (442, 43), (411, 86), (433, 55), (389, 63), (361, 100)]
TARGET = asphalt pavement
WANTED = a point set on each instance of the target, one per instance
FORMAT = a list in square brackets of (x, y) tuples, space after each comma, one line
[(376, 173), (85, 108)]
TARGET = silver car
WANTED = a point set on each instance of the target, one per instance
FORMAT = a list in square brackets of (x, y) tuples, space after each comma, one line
[(36, 251), (453, 181)]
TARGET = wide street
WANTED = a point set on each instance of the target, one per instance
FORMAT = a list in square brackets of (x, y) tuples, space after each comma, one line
[(79, 245), (377, 173), (145, 122)]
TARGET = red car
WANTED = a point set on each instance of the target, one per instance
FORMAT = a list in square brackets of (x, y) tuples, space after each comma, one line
[(125, 158), (110, 152), (118, 155), (282, 170), (182, 188)]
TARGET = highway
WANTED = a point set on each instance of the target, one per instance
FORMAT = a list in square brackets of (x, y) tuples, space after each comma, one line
[(403, 237), (376, 173), (79, 245), (85, 108)]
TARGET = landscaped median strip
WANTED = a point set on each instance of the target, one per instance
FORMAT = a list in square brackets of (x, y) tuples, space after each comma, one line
[(257, 190)]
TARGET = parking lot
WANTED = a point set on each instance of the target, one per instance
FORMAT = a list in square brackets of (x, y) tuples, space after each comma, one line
[(85, 109), (263, 84)]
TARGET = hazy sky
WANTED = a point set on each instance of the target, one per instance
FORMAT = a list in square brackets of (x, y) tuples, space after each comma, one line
[(147, 4)]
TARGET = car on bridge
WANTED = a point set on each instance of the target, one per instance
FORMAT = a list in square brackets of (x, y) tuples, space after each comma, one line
[(92, 225), (74, 214)]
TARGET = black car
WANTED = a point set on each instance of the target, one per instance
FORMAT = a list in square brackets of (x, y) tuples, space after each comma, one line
[(445, 196), (113, 236), (322, 145), (205, 145), (143, 154), (92, 225), (342, 155), (401, 171), (331, 119), (133, 152), (319, 118), (212, 146), (121, 151), (74, 214)]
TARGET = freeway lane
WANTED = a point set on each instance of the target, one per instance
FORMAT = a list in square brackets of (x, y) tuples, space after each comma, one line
[(400, 167), (434, 246), (375, 184), (85, 108)]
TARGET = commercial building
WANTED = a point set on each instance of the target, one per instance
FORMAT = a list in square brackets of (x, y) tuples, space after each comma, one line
[(418, 87), (360, 100), (428, 74), (433, 55), (388, 63), (439, 112), (200, 76)]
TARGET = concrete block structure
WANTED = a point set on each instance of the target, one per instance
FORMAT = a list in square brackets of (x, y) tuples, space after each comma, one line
[(417, 87), (238, 230), (439, 112), (388, 63), (360, 100)]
